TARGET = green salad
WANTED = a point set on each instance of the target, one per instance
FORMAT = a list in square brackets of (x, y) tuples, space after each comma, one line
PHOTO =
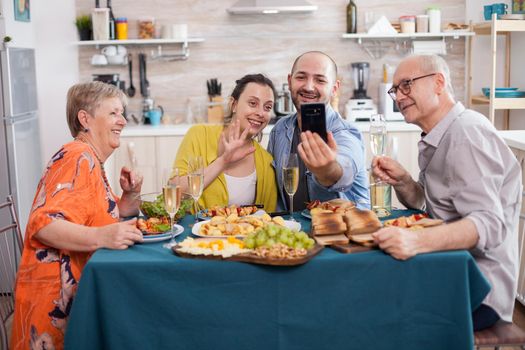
[(156, 209)]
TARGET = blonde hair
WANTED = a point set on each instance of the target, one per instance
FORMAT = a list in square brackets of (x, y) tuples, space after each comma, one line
[(88, 97), (436, 64)]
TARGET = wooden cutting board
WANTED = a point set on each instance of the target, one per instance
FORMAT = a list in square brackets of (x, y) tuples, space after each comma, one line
[(254, 259), (351, 248)]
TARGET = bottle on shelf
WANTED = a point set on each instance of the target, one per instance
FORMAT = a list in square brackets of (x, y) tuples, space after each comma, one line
[(351, 17), (121, 25), (112, 31)]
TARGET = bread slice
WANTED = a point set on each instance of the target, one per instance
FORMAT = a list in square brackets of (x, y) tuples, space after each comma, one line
[(365, 239), (361, 221), (326, 218), (332, 239), (329, 229)]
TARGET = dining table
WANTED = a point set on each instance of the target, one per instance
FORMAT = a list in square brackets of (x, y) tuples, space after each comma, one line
[(146, 297)]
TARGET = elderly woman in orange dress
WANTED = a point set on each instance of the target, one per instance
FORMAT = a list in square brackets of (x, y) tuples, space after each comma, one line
[(74, 213)]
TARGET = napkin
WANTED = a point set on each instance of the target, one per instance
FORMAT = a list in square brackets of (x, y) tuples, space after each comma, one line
[(382, 26)]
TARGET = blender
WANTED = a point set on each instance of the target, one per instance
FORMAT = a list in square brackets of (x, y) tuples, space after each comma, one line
[(360, 107)]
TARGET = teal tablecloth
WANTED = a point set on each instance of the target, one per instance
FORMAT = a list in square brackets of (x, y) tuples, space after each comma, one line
[(147, 298)]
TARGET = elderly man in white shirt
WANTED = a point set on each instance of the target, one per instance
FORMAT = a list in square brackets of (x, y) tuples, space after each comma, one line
[(468, 177)]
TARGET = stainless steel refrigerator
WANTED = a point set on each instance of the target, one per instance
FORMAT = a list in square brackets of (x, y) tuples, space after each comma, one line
[(20, 157)]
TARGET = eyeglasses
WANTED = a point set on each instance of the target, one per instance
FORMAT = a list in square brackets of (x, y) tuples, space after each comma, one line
[(404, 86)]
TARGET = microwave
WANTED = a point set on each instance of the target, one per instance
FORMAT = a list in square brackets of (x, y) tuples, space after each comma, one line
[(387, 106)]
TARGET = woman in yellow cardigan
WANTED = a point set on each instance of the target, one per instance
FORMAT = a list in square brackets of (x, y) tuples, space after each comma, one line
[(238, 170)]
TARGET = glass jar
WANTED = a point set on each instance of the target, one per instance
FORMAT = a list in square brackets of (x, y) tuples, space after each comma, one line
[(434, 19), (122, 28), (408, 24), (422, 23), (146, 28)]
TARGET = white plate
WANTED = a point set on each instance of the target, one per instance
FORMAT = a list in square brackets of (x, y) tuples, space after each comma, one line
[(292, 225), (163, 236)]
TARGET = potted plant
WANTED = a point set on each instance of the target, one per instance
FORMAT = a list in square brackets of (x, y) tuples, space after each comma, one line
[(84, 27)]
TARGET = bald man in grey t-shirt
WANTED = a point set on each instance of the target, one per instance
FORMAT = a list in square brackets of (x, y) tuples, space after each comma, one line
[(468, 177)]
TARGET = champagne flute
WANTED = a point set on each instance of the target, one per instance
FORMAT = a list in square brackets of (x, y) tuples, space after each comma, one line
[(380, 192), (172, 197), (195, 181), (291, 178)]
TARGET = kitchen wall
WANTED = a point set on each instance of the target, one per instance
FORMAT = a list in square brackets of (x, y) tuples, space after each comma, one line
[(236, 45), (50, 32)]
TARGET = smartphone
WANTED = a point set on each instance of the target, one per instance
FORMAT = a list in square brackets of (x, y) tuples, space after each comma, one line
[(313, 118)]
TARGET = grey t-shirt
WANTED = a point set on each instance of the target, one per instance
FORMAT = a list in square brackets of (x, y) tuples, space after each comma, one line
[(467, 171)]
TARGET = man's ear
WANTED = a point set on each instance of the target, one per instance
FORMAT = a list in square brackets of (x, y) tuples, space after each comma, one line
[(335, 87), (441, 84)]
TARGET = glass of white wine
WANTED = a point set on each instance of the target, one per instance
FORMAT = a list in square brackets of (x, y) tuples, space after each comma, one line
[(172, 197), (195, 180), (380, 192), (291, 178)]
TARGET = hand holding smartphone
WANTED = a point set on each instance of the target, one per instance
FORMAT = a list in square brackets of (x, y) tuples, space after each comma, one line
[(313, 118)]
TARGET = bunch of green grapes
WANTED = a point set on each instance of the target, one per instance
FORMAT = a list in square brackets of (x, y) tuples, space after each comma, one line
[(270, 234)]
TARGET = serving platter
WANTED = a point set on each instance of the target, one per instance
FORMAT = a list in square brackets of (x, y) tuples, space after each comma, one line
[(252, 258)]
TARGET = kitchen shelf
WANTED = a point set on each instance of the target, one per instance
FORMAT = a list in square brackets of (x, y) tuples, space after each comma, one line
[(452, 34), (375, 42), (494, 28), (137, 42), (159, 55), (500, 103)]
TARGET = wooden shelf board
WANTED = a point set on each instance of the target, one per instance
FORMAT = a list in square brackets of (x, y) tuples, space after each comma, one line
[(479, 100), (502, 27), (509, 103)]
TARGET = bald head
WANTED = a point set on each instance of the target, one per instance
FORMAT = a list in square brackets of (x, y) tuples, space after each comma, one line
[(322, 56)]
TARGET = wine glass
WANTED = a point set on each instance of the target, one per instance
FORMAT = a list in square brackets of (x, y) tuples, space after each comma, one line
[(195, 180), (172, 197), (380, 192), (291, 178)]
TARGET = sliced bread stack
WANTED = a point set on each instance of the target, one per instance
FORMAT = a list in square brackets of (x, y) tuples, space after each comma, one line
[(360, 226), (329, 228)]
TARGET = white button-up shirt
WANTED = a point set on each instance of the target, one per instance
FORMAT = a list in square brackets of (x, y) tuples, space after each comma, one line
[(467, 171)]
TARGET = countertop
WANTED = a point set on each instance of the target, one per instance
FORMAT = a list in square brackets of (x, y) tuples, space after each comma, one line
[(181, 129), (514, 138)]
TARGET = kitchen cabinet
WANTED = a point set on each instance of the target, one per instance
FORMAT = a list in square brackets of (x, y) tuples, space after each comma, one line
[(520, 155), (515, 139), (494, 28)]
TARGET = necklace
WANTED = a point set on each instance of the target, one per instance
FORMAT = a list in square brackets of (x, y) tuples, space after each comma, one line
[(82, 139)]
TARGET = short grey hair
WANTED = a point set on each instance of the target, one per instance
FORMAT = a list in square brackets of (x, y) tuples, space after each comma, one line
[(88, 97), (436, 64)]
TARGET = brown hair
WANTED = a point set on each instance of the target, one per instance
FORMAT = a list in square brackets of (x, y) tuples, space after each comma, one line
[(88, 97)]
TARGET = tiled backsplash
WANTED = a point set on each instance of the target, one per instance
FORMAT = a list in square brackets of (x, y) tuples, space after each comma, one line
[(236, 45)]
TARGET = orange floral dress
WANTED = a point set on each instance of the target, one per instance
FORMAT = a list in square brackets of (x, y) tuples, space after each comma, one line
[(73, 188)]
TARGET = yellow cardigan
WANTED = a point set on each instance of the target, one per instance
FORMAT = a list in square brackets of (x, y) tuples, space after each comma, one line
[(203, 140)]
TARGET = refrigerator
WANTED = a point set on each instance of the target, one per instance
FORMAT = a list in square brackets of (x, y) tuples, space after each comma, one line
[(20, 156)]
